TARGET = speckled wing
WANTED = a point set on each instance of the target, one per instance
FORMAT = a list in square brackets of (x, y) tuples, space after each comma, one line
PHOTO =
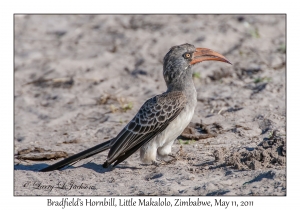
[(153, 117)]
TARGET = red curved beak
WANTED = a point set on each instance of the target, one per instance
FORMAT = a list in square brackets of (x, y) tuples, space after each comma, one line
[(204, 54)]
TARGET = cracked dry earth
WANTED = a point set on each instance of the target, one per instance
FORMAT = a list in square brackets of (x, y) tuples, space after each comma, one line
[(80, 78)]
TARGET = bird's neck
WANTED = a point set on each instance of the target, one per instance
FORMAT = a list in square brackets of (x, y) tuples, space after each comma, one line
[(184, 83)]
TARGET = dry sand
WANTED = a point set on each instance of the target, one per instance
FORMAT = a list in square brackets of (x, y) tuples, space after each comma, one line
[(80, 78)]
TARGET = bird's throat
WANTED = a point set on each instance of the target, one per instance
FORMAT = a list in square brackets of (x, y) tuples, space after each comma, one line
[(182, 82)]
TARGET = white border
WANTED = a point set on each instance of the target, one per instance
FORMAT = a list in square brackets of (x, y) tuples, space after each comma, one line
[(8, 201)]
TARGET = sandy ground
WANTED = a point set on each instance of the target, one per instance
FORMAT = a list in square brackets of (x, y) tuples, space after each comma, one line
[(80, 78)]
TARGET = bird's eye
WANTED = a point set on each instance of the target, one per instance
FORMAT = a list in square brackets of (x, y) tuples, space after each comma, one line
[(187, 55)]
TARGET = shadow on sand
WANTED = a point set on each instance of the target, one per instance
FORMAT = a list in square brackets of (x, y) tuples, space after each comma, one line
[(96, 167)]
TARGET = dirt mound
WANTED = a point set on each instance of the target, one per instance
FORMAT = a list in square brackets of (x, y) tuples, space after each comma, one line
[(268, 154), (198, 131), (38, 154)]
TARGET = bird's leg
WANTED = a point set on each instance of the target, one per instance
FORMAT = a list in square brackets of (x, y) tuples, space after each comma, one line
[(174, 158), (156, 163), (163, 161), (177, 154)]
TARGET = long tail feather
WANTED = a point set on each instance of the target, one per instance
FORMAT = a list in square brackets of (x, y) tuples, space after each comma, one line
[(79, 156)]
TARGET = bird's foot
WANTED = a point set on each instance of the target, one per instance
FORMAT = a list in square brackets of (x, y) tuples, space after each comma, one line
[(156, 163), (165, 162), (174, 159)]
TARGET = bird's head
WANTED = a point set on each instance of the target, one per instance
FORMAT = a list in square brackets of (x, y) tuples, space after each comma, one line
[(179, 60)]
